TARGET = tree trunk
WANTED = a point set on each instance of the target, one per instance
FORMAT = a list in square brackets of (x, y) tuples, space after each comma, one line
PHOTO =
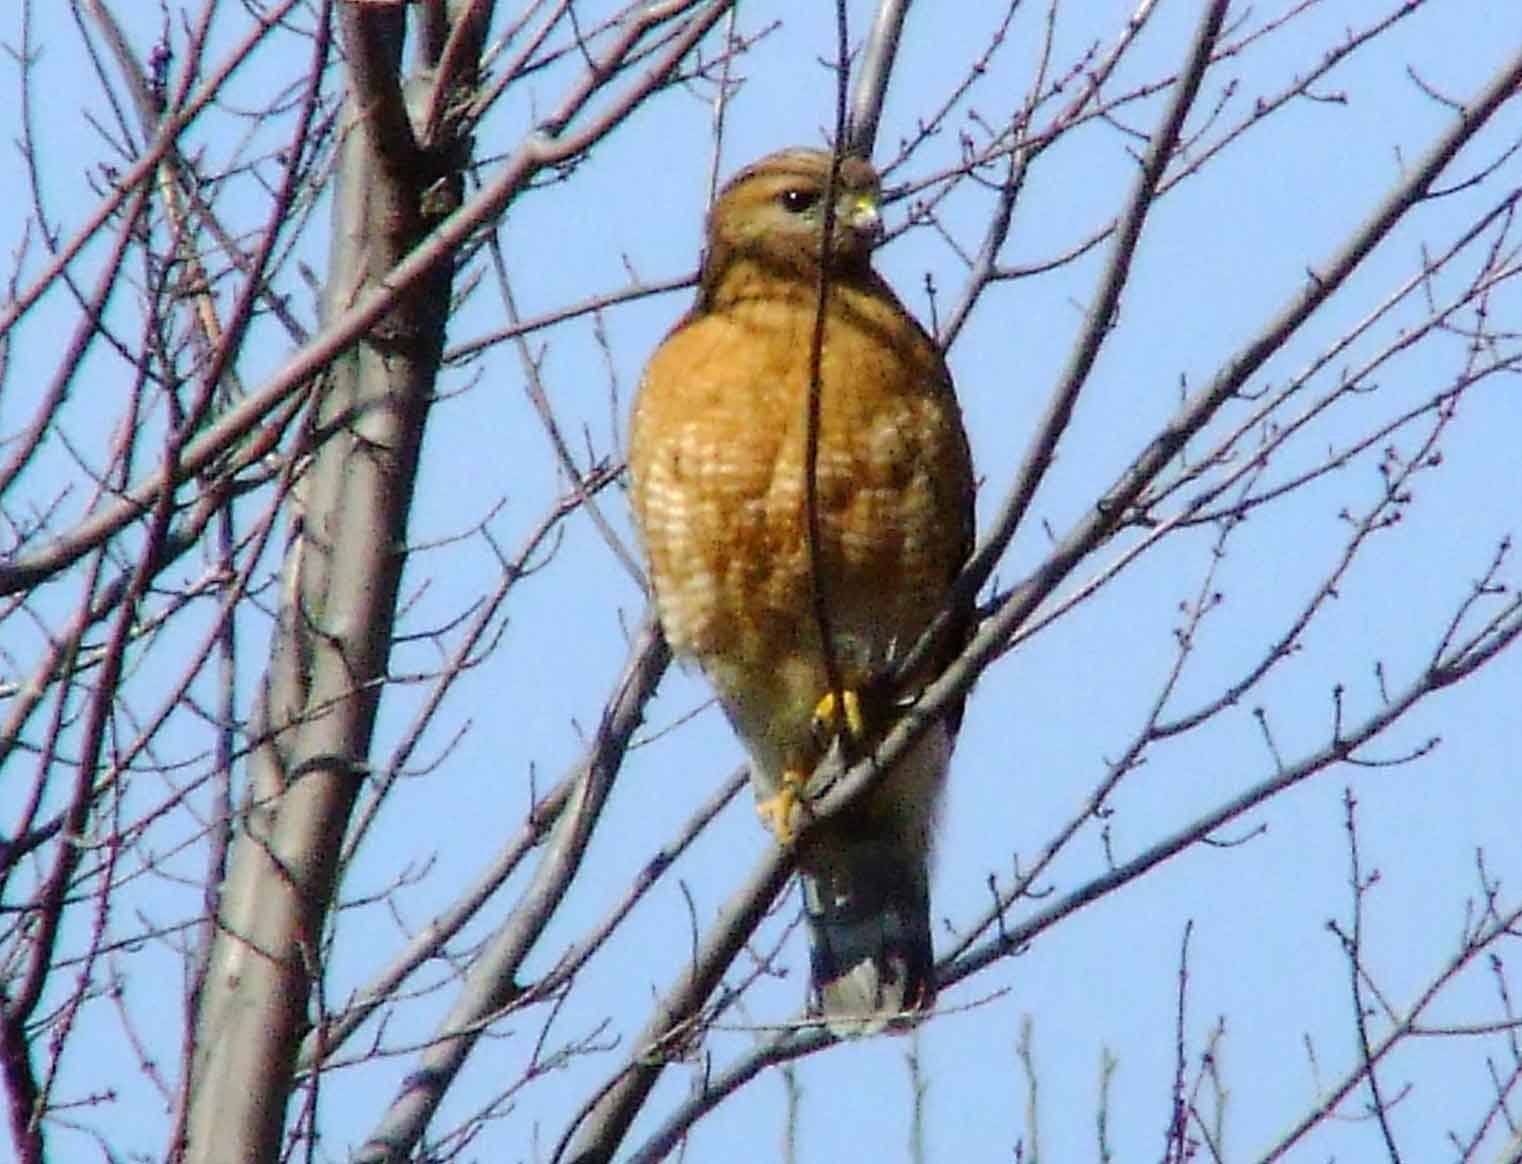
[(343, 566)]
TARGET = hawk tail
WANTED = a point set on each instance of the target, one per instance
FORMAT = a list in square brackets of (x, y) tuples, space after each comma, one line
[(868, 910)]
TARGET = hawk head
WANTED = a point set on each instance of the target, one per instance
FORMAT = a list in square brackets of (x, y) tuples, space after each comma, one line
[(772, 213)]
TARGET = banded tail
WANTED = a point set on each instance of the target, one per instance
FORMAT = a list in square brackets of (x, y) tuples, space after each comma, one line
[(868, 908)]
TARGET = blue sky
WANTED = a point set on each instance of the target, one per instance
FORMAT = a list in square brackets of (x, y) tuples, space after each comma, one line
[(1221, 253)]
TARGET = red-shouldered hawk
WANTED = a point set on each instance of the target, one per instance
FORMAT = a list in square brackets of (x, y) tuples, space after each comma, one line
[(716, 455)]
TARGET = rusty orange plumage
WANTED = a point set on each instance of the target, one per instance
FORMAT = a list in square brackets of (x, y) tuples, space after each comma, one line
[(717, 454)]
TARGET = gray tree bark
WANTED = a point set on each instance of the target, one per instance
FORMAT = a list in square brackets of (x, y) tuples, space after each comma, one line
[(344, 560)]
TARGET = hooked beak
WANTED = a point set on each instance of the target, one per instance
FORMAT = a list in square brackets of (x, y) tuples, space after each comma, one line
[(861, 216)]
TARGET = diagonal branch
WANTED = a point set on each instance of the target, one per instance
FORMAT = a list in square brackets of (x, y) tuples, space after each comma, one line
[(1015, 608), (603, 1129), (1059, 409), (143, 169), (536, 153), (600, 1130), (1482, 647), (491, 983)]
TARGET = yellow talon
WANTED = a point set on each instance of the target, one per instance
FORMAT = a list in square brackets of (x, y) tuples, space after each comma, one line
[(783, 811), (827, 714), (778, 810)]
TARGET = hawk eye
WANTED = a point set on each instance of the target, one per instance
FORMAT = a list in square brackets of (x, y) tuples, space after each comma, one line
[(797, 199)]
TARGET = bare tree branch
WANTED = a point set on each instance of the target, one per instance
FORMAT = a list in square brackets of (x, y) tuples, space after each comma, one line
[(491, 984)]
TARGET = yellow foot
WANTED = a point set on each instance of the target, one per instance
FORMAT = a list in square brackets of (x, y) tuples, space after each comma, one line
[(827, 715), (779, 811)]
